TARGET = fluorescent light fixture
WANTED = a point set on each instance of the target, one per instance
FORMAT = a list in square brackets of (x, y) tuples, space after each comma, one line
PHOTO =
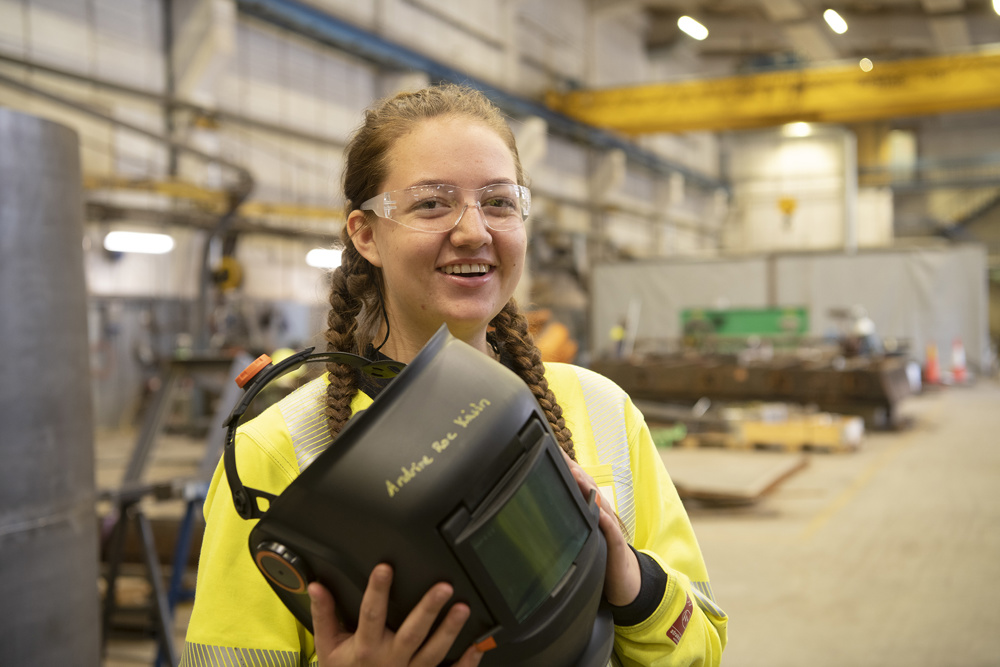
[(692, 27), (836, 23), (867, 65), (142, 242), (323, 258), (798, 129)]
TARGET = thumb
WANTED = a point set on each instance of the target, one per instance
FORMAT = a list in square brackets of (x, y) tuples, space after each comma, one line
[(326, 628)]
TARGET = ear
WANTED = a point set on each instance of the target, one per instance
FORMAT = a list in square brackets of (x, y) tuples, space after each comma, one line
[(362, 233)]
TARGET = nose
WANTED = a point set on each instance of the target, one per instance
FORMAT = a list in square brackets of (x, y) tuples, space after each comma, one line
[(471, 229)]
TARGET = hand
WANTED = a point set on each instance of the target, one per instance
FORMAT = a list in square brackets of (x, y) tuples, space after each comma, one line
[(373, 644), (622, 578)]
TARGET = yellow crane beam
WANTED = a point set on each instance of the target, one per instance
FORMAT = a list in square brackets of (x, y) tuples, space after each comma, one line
[(842, 94)]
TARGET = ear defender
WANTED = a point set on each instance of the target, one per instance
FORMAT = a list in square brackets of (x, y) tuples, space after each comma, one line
[(282, 567)]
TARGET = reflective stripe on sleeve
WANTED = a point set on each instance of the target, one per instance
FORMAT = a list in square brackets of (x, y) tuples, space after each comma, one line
[(205, 655), (304, 412), (606, 410), (703, 596)]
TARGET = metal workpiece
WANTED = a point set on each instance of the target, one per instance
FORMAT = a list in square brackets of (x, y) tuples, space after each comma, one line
[(871, 388), (48, 526)]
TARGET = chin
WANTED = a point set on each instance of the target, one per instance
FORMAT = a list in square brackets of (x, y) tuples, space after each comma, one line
[(466, 320)]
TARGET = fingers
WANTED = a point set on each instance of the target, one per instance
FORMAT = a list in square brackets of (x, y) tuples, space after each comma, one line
[(438, 645), (374, 606), (609, 525), (373, 642), (573, 465), (414, 630), (622, 579), (583, 480), (607, 518)]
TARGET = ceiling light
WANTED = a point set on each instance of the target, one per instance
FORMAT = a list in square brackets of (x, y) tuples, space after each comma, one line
[(866, 65), (142, 242), (693, 28), (996, 6), (799, 129), (323, 258), (836, 23)]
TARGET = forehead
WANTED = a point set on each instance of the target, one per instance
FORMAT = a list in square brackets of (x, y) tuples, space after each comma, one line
[(457, 150)]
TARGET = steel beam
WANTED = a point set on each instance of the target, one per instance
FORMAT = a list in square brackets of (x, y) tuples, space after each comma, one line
[(842, 94)]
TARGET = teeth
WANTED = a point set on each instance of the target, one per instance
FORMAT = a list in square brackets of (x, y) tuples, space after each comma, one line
[(466, 268)]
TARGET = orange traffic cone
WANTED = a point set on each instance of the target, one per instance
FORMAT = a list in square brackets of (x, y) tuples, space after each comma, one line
[(959, 374), (932, 371)]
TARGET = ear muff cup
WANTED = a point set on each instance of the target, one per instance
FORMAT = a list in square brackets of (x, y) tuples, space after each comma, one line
[(282, 567)]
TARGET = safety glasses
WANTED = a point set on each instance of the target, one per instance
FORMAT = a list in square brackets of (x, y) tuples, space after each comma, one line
[(440, 207)]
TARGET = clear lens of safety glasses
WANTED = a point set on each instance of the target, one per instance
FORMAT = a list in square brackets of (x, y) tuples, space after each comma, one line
[(438, 208)]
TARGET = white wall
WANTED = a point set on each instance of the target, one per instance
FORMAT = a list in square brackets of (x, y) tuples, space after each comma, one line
[(923, 295), (815, 174), (661, 289), (243, 66)]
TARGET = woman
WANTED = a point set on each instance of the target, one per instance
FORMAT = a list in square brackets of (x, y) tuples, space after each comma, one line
[(436, 201)]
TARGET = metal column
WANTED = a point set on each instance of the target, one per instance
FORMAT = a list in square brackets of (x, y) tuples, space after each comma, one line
[(48, 525)]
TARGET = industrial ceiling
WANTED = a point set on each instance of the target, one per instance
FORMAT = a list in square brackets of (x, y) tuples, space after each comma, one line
[(768, 62), (755, 34)]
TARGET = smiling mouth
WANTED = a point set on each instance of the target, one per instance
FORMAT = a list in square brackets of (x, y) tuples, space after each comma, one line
[(467, 269)]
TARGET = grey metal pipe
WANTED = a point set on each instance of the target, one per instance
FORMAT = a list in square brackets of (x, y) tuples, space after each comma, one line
[(48, 525)]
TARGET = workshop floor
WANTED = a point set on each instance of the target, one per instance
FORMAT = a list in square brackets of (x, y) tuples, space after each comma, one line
[(886, 556)]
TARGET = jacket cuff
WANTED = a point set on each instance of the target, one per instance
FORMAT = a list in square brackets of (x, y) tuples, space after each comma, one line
[(651, 590)]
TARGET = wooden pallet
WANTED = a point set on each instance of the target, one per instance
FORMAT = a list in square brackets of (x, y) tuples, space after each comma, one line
[(819, 432)]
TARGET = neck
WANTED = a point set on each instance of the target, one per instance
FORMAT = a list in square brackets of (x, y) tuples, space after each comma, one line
[(403, 346)]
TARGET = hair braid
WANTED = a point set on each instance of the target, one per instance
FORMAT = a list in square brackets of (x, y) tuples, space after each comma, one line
[(512, 333), (352, 302)]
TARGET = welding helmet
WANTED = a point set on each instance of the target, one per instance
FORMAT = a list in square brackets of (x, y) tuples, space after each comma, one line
[(452, 474)]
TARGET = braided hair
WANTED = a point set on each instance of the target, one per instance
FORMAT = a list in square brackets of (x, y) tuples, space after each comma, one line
[(356, 301)]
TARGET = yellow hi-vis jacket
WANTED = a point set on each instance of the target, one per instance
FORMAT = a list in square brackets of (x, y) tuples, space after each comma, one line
[(238, 620)]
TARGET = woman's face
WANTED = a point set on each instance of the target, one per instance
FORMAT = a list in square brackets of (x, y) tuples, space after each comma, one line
[(423, 286)]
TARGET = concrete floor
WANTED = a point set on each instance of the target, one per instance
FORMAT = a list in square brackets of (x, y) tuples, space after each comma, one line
[(887, 556)]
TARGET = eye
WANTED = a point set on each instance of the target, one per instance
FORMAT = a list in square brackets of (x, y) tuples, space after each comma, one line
[(430, 204), (502, 205), (427, 205)]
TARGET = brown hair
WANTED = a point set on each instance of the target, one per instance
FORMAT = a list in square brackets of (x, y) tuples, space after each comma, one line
[(356, 300)]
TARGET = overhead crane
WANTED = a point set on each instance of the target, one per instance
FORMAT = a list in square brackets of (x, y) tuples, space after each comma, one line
[(838, 94)]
